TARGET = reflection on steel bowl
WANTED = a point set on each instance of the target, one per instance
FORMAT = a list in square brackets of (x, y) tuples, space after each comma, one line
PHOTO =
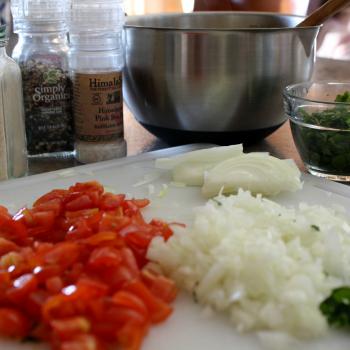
[(214, 76)]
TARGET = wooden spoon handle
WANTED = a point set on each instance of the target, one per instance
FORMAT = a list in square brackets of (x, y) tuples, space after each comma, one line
[(329, 9)]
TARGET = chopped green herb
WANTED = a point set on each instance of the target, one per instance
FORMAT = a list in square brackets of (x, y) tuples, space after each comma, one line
[(336, 118), (336, 308), (195, 297), (217, 202), (345, 97), (326, 150), (316, 228), (194, 293)]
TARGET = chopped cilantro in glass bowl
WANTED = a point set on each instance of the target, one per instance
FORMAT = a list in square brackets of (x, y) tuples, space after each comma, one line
[(319, 115)]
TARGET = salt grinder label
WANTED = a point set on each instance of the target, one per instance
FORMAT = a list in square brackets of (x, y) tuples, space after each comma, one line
[(98, 106)]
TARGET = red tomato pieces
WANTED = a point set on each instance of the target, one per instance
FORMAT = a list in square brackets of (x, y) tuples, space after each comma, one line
[(13, 323), (72, 271)]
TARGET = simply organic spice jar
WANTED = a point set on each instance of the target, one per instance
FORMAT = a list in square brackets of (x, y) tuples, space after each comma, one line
[(42, 53), (96, 63)]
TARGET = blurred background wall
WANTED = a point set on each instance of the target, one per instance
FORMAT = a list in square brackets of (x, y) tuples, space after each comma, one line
[(138, 7), (334, 39), (333, 42), (152, 6)]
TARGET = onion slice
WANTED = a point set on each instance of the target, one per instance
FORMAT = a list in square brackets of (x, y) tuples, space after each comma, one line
[(189, 168), (256, 172)]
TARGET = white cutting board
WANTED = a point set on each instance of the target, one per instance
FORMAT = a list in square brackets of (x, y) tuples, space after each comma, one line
[(188, 328)]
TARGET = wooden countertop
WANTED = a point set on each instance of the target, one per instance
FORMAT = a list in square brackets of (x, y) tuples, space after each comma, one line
[(279, 144)]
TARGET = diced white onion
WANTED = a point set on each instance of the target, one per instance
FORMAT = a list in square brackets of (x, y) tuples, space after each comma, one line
[(267, 266)]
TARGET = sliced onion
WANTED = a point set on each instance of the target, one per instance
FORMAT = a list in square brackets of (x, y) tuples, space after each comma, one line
[(191, 173), (208, 155), (189, 168), (256, 172)]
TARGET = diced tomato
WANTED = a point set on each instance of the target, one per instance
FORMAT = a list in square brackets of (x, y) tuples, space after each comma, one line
[(130, 262), (54, 205), (162, 287), (138, 219), (59, 306), (164, 230), (22, 287), (5, 284), (39, 223), (35, 302), (95, 197), (14, 231), (24, 215), (13, 323), (55, 194), (107, 237), (73, 300), (110, 222), (63, 254), (130, 301), (104, 257), (74, 273), (44, 218), (116, 278), (43, 247), (113, 317), (43, 331), (7, 246), (157, 308), (79, 230), (87, 186), (12, 261), (139, 239), (131, 335), (43, 273), (111, 201), (70, 271), (140, 203), (54, 284), (43, 234), (84, 213), (82, 342), (94, 221), (90, 288), (97, 309), (67, 328), (4, 215), (80, 203)]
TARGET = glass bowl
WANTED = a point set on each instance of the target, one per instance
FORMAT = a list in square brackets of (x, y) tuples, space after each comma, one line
[(319, 114)]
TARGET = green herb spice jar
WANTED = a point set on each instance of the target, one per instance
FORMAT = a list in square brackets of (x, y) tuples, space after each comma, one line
[(42, 54)]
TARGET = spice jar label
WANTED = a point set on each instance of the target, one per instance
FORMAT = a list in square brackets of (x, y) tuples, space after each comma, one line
[(98, 106), (47, 101)]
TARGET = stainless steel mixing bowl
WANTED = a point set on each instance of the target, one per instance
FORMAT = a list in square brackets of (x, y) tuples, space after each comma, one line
[(214, 76)]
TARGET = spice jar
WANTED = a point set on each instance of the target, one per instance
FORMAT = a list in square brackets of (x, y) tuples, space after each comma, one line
[(13, 156), (42, 53), (96, 63)]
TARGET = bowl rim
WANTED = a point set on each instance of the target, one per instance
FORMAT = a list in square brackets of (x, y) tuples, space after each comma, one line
[(220, 13), (287, 92)]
